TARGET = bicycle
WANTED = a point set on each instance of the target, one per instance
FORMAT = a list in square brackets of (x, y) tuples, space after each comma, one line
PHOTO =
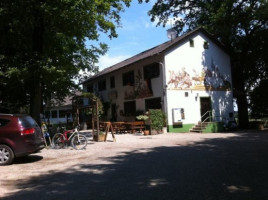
[(76, 140)]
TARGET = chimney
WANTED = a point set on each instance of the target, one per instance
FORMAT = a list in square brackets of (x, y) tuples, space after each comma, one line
[(172, 33)]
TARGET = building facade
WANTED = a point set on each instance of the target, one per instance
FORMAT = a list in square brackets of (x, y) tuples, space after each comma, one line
[(189, 78)]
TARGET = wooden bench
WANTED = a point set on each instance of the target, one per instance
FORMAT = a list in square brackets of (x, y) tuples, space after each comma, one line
[(120, 127), (136, 126)]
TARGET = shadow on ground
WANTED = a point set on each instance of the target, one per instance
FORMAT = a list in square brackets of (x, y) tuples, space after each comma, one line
[(231, 168), (27, 159)]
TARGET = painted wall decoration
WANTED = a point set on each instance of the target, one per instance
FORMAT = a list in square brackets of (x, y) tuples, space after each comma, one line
[(130, 92), (142, 88), (206, 79)]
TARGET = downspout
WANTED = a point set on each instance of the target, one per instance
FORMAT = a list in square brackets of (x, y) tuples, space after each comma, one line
[(164, 87)]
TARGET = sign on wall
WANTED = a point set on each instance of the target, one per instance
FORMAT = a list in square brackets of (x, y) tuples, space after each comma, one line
[(178, 115)]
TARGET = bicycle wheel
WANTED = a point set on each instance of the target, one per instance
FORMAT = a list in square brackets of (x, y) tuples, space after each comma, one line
[(58, 141), (79, 142)]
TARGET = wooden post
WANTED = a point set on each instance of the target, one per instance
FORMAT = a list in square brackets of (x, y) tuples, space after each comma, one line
[(97, 114), (109, 127)]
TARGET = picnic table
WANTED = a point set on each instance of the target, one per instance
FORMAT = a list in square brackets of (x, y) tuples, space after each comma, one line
[(122, 127)]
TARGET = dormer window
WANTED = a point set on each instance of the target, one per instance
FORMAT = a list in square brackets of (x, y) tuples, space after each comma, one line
[(128, 78), (112, 82), (102, 85), (151, 71), (205, 45), (191, 41)]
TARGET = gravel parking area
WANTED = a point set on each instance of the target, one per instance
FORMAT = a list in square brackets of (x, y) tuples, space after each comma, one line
[(166, 166)]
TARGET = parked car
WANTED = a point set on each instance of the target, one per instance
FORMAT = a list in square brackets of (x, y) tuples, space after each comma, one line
[(20, 135)]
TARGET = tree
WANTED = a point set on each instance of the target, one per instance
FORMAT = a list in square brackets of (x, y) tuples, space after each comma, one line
[(239, 24), (44, 44), (258, 100)]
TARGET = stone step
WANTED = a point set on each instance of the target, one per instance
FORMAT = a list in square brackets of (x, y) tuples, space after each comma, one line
[(195, 131), (198, 128)]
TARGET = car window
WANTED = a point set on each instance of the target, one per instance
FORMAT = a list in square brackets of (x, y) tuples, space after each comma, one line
[(27, 121), (3, 122)]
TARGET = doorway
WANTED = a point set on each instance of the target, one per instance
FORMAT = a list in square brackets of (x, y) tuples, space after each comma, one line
[(205, 104)]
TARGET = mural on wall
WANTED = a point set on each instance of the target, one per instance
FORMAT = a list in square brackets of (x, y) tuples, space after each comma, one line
[(142, 88), (206, 79), (130, 92)]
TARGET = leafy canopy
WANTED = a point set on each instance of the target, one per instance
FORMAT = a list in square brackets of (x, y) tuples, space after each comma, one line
[(45, 43)]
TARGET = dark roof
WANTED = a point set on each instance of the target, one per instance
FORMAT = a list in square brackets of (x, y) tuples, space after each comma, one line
[(153, 51), (67, 101)]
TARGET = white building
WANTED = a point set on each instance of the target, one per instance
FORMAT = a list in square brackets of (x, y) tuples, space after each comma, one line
[(187, 77)]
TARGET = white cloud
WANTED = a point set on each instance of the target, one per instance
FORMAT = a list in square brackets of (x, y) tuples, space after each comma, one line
[(107, 60)]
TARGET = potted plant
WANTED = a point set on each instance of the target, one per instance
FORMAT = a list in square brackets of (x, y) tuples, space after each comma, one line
[(261, 125), (157, 120), (146, 120), (101, 137)]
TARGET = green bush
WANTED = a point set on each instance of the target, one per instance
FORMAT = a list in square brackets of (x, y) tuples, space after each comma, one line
[(157, 119)]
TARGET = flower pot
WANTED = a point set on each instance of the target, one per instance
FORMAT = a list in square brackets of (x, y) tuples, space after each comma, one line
[(101, 138), (164, 129), (146, 132), (261, 126)]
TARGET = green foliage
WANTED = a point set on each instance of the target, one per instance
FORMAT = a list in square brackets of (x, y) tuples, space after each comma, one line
[(157, 119), (92, 101), (142, 117), (258, 100), (239, 24), (44, 44)]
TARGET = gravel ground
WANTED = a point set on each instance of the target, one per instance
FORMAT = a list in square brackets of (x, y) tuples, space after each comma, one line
[(165, 166)]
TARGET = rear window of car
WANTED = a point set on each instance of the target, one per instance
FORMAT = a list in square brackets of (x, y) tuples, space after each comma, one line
[(4, 122), (27, 121)]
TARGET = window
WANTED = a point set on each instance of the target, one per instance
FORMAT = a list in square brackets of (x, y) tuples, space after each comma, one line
[(206, 45), (102, 85), (90, 88), (54, 114), (4, 122), (47, 114), (106, 107), (154, 103), (62, 113), (112, 82), (151, 71), (128, 78), (191, 42), (130, 108)]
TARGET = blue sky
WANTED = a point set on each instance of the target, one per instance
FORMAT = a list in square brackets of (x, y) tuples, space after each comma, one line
[(137, 34)]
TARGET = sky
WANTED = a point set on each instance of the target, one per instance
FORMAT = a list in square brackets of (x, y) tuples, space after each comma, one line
[(136, 35)]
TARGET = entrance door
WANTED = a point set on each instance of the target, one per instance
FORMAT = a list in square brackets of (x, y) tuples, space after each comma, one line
[(205, 103)]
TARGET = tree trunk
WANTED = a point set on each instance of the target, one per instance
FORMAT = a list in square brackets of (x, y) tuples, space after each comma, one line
[(240, 94), (38, 43), (242, 111), (35, 100)]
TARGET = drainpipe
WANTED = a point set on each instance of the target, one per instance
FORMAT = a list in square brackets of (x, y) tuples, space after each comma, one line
[(164, 102)]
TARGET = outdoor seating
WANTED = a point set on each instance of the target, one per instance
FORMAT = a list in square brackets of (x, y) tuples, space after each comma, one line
[(120, 127), (123, 127), (136, 126)]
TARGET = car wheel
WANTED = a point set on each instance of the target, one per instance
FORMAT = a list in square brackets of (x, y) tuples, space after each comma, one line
[(6, 155)]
